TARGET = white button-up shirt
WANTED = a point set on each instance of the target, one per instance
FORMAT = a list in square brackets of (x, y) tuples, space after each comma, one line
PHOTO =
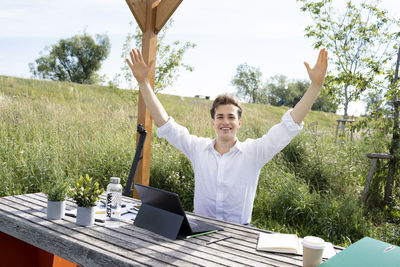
[(225, 185)]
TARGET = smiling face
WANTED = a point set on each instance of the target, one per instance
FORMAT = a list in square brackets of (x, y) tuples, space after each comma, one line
[(226, 122)]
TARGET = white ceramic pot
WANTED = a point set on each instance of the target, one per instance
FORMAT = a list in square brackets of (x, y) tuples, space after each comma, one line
[(55, 210), (85, 216)]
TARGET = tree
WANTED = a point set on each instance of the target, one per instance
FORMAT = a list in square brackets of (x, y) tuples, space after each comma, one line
[(282, 91), (276, 88), (75, 59), (169, 58), (359, 42), (382, 127), (393, 97), (247, 81)]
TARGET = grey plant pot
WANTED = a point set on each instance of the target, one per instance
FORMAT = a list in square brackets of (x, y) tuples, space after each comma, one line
[(55, 210), (85, 216)]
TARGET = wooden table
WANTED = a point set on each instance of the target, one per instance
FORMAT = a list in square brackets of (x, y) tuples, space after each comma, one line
[(24, 217)]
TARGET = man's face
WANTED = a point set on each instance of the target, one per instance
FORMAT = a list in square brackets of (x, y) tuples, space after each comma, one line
[(226, 122)]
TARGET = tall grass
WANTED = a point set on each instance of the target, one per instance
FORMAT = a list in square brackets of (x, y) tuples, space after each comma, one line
[(55, 129)]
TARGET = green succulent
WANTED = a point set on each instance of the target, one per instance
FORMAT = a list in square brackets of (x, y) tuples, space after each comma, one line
[(85, 192)]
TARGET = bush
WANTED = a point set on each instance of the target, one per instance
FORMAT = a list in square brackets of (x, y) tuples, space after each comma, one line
[(283, 198), (341, 219), (172, 171)]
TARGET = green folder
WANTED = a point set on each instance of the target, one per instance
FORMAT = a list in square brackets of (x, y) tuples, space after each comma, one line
[(367, 252)]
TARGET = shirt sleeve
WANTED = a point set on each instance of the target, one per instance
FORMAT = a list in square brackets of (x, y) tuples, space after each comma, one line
[(276, 139), (179, 137)]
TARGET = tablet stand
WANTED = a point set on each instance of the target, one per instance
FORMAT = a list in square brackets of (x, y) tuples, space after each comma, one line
[(159, 221)]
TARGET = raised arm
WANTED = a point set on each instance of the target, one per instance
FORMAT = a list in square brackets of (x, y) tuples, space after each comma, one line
[(140, 71), (317, 76)]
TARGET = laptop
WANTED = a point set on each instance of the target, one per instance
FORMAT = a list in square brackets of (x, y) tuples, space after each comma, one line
[(367, 252), (162, 212)]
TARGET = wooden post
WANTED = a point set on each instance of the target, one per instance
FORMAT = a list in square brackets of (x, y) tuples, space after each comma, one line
[(151, 16), (374, 159), (369, 179)]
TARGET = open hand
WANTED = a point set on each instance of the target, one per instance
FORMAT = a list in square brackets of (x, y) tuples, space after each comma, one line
[(139, 68), (318, 72)]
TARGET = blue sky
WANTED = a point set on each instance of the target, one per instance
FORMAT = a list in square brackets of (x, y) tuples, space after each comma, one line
[(265, 34)]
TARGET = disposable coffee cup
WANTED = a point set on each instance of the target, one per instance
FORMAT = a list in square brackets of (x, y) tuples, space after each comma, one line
[(313, 247)]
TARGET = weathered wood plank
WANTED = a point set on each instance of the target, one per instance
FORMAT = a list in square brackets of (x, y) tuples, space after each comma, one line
[(183, 246), (130, 243), (379, 156), (78, 253), (225, 256), (103, 244), (115, 237), (369, 179), (245, 239), (250, 235)]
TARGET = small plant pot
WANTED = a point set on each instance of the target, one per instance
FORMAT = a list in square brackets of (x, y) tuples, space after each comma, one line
[(85, 216), (55, 210)]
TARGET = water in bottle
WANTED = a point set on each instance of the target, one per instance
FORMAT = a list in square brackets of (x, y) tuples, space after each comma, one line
[(113, 205)]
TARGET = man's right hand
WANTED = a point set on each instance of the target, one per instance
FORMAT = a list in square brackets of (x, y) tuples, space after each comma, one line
[(139, 68)]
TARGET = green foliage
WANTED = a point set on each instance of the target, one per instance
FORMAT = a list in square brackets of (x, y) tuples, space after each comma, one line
[(66, 129), (169, 59), (172, 171), (282, 91), (85, 192), (57, 188), (75, 59), (382, 128), (277, 91), (311, 188), (342, 219), (360, 41), (247, 81)]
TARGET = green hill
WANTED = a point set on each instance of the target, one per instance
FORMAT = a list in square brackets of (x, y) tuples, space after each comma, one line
[(313, 186)]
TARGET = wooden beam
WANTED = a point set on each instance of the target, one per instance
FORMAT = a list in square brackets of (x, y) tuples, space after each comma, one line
[(164, 11), (138, 9), (149, 52), (146, 13)]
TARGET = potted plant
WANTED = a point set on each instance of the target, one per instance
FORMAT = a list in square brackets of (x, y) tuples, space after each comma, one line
[(56, 191), (85, 193)]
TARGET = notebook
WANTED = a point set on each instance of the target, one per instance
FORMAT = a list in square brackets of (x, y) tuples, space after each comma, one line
[(288, 243), (162, 212), (367, 252)]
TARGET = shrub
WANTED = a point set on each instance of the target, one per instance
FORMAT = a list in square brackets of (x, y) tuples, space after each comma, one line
[(283, 198), (172, 171), (341, 219)]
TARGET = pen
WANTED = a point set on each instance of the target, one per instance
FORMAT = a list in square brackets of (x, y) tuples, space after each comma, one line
[(201, 234), (74, 216), (215, 241)]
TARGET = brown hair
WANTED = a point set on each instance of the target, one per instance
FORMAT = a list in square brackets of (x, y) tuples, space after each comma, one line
[(225, 99)]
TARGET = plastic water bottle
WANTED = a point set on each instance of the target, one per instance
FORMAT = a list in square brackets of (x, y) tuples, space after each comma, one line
[(113, 204)]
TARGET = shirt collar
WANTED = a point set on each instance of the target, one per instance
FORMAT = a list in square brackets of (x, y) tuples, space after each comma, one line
[(238, 145)]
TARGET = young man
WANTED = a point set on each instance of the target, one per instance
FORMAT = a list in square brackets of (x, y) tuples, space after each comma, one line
[(227, 170)]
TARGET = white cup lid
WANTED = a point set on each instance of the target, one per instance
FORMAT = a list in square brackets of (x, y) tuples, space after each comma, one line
[(313, 242)]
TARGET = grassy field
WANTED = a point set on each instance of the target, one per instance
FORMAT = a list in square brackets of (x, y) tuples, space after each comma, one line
[(56, 129)]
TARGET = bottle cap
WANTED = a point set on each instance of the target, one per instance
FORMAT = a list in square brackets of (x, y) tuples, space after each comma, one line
[(115, 180)]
